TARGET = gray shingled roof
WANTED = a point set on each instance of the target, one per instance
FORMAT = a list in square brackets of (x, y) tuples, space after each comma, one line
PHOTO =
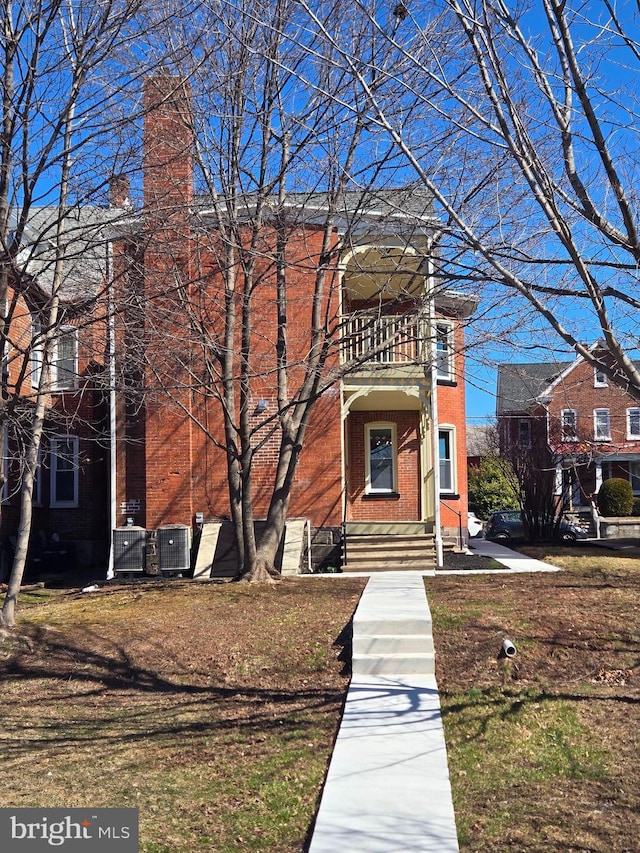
[(86, 236), (88, 230), (520, 384), (412, 202)]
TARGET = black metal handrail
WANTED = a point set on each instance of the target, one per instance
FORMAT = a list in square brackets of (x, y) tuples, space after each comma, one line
[(459, 514)]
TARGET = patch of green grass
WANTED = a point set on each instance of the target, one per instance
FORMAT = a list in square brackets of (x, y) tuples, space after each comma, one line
[(510, 739), (443, 618)]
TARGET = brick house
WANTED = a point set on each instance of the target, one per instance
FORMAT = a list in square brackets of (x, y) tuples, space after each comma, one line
[(590, 427), (384, 455), (367, 464)]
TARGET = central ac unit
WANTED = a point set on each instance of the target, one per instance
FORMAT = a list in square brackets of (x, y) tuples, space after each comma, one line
[(174, 548), (129, 549)]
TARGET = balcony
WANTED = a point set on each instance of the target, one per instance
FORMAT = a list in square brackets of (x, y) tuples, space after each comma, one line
[(376, 342)]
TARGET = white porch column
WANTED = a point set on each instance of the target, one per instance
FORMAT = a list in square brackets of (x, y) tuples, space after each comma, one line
[(598, 475), (558, 478)]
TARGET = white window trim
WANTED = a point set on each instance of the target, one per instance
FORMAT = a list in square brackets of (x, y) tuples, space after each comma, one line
[(633, 476), (563, 433), (64, 330), (632, 436), (449, 428), (369, 427), (449, 375), (595, 425), (36, 351), (597, 381), (53, 457), (4, 492)]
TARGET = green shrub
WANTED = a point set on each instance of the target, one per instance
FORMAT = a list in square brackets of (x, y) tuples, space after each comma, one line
[(492, 486), (615, 497), (636, 507)]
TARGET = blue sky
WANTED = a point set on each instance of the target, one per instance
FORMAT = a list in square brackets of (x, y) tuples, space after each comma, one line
[(481, 389)]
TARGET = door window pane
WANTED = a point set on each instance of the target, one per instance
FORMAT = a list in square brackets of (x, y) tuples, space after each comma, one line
[(381, 459)]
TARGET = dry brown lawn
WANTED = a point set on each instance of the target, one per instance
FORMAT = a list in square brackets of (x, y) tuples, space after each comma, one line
[(213, 707)]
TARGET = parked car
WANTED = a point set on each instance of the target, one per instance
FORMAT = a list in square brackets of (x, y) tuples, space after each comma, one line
[(474, 525), (509, 524)]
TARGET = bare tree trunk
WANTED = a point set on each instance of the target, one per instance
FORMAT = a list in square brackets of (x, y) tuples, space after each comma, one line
[(43, 392), (56, 65)]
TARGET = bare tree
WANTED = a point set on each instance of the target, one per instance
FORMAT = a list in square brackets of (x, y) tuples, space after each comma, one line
[(62, 78), (537, 189)]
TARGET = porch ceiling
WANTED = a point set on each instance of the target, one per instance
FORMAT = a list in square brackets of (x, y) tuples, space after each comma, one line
[(383, 272), (392, 399)]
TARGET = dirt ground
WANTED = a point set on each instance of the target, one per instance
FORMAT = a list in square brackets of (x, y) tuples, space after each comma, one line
[(210, 707)]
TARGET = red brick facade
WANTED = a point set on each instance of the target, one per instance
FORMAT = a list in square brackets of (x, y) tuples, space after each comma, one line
[(172, 468), (79, 414)]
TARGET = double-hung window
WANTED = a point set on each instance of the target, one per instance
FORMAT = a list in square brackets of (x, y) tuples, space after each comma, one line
[(65, 359), (446, 445), (381, 458), (569, 424), (64, 471), (601, 425), (444, 351), (633, 423)]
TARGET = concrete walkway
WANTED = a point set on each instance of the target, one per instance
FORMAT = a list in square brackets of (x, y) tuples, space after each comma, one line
[(387, 789), (511, 560)]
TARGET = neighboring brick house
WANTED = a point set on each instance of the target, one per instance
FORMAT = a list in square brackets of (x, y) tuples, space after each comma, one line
[(589, 426), (367, 462)]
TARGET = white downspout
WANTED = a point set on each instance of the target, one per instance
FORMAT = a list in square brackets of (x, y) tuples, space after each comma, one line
[(433, 380), (111, 356)]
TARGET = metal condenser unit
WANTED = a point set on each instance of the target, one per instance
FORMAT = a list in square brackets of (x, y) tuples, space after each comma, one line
[(173, 544), (129, 549)]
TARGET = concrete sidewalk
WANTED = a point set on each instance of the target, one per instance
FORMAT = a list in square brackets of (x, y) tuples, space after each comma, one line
[(387, 789), (511, 560)]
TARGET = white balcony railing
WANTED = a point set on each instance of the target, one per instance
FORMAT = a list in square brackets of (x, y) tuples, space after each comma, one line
[(395, 339)]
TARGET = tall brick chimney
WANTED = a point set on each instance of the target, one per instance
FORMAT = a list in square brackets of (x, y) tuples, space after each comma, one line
[(168, 258), (168, 143)]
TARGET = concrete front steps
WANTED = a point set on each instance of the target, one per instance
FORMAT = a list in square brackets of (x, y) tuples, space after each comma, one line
[(387, 788), (392, 632), (385, 552)]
